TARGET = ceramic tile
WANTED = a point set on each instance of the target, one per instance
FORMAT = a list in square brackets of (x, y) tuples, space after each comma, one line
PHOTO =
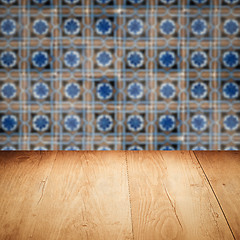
[(119, 74)]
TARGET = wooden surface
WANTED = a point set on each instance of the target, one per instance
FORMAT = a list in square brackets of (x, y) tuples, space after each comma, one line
[(119, 195), (171, 198), (64, 195), (223, 173)]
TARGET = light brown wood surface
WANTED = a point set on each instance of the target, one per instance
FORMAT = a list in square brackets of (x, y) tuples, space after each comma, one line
[(83, 196), (171, 198), (223, 172), (22, 178), (118, 195)]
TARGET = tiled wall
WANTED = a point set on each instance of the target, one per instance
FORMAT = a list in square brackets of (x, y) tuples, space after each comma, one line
[(119, 74)]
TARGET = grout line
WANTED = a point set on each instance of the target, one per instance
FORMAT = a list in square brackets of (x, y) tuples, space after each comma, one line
[(129, 192), (214, 194)]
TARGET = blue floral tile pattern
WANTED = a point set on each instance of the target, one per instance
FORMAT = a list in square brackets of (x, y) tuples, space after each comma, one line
[(8, 26), (135, 59), (40, 59), (167, 59), (199, 59), (167, 27), (40, 90), (40, 27), (167, 90), (135, 27), (199, 122), (119, 75), (167, 122), (231, 59), (104, 123), (231, 90), (104, 58), (8, 59), (231, 27), (103, 26), (135, 122), (231, 122), (72, 26), (104, 91), (9, 123), (135, 90), (40, 123), (72, 122), (72, 90), (8, 90), (199, 90), (72, 59), (199, 26)]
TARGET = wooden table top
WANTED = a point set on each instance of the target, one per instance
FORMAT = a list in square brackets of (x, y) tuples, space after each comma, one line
[(120, 195)]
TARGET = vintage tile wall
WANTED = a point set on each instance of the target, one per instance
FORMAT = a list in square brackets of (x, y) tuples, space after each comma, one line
[(119, 74)]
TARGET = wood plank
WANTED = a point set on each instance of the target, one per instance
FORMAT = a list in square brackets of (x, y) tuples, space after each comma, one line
[(86, 198), (171, 198), (222, 169), (22, 178)]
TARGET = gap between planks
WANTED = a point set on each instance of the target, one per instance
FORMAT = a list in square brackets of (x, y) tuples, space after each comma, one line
[(214, 193), (224, 220), (129, 195)]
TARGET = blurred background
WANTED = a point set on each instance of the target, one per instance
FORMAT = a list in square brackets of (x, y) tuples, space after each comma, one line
[(119, 74)]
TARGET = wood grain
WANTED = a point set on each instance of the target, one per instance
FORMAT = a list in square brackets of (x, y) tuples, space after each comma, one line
[(85, 196), (23, 176), (171, 198), (223, 171)]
